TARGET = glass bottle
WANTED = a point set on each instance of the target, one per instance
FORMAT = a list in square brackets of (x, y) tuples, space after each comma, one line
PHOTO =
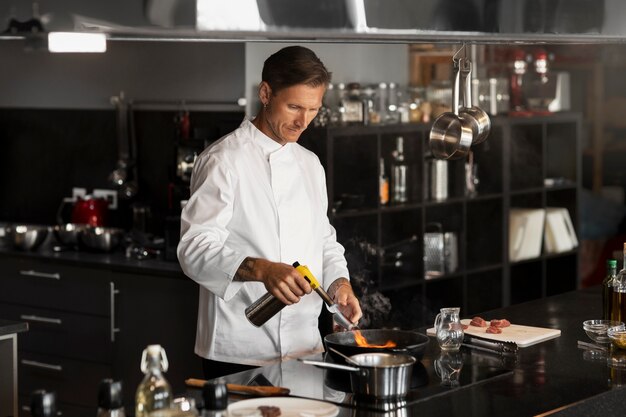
[(340, 95), (110, 399), (618, 300), (517, 75), (332, 102), (607, 288), (399, 172), (392, 104), (154, 392), (383, 184), (381, 108)]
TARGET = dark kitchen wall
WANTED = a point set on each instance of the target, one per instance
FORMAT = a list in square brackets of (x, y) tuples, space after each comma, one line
[(201, 71), (58, 126), (47, 152)]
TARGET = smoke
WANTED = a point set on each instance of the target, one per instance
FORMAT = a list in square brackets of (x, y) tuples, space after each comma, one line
[(375, 306)]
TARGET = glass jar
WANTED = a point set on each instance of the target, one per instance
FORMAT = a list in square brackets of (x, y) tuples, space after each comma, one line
[(354, 109)]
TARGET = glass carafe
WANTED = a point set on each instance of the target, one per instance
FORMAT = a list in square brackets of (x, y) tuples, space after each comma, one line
[(448, 329)]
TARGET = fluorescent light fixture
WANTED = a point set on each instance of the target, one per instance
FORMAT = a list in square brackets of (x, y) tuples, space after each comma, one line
[(77, 42), (228, 15)]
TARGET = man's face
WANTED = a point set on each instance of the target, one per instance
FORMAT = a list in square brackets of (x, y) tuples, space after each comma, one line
[(289, 111)]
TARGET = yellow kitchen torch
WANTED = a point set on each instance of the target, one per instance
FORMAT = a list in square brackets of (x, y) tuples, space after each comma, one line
[(339, 318), (268, 306)]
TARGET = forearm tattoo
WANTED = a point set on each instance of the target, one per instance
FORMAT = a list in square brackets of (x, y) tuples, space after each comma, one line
[(336, 284), (245, 272)]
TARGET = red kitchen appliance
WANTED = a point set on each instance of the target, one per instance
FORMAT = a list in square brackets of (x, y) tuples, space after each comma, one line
[(91, 211)]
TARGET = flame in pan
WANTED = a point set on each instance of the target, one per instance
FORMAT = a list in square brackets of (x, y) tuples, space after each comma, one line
[(362, 341)]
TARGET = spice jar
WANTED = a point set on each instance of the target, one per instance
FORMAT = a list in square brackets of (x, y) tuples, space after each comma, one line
[(354, 107)]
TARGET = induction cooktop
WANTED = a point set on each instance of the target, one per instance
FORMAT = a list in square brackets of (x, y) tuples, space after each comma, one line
[(436, 374)]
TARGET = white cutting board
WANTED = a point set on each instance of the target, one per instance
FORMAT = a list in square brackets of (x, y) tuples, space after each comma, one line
[(523, 336)]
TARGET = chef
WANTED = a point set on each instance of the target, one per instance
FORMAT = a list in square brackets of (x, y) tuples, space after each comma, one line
[(258, 204)]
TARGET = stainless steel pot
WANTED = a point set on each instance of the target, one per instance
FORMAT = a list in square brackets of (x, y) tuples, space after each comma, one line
[(451, 135), (378, 375)]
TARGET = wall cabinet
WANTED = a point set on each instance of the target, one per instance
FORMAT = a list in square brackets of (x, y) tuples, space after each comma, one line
[(526, 162), (86, 324)]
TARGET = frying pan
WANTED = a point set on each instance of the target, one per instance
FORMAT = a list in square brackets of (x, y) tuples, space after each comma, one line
[(409, 342)]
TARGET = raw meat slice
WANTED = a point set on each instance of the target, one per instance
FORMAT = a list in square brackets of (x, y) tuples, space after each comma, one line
[(500, 323), (493, 330), (478, 322)]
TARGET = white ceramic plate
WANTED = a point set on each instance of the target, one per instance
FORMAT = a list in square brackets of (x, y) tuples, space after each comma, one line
[(289, 407)]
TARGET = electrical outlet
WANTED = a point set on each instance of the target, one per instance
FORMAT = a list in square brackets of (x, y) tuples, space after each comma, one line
[(78, 192), (109, 195)]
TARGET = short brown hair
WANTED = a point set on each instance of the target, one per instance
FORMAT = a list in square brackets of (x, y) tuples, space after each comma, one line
[(294, 65)]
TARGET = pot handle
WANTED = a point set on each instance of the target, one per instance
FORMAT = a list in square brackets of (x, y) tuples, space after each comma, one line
[(466, 80), (329, 365), (456, 87)]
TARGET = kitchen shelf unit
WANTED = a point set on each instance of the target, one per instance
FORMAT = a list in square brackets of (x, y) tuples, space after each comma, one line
[(513, 165)]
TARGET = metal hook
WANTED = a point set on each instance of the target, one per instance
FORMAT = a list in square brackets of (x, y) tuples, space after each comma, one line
[(456, 54)]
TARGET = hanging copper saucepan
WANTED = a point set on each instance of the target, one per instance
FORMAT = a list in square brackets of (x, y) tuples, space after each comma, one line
[(475, 116), (451, 135)]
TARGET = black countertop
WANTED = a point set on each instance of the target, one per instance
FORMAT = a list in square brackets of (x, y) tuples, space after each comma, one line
[(116, 260), (547, 376), (11, 327)]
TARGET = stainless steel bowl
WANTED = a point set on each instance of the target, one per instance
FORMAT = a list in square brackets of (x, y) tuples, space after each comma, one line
[(67, 234), (101, 239), (27, 237)]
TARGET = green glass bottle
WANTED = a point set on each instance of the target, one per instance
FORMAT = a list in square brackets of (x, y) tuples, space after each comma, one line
[(607, 288)]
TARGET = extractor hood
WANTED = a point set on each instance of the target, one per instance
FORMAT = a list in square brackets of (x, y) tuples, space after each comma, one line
[(363, 21), (488, 21)]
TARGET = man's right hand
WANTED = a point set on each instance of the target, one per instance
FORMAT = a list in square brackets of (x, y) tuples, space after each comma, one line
[(281, 280)]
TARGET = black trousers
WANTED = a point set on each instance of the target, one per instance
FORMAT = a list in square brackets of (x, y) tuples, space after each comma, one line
[(215, 369)]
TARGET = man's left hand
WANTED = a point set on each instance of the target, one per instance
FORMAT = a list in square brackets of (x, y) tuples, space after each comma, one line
[(344, 297)]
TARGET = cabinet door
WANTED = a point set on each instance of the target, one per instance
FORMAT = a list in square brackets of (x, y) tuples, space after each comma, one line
[(75, 382), (53, 332), (47, 284), (155, 310)]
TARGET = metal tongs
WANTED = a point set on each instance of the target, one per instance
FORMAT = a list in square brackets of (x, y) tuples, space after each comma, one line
[(338, 316), (491, 346)]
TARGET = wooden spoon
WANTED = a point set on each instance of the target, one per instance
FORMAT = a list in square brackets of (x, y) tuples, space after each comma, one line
[(261, 391)]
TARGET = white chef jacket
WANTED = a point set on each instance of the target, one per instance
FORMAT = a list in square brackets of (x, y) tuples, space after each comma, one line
[(252, 197)]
